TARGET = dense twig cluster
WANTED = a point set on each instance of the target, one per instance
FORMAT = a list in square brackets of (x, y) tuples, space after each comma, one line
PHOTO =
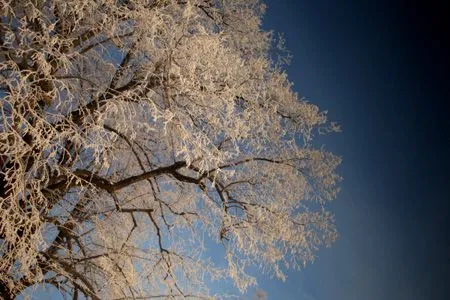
[(129, 129)]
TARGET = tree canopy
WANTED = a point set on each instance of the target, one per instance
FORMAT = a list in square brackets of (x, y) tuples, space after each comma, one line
[(136, 134)]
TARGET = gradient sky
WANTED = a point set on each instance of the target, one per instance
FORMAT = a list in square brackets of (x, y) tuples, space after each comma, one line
[(382, 72)]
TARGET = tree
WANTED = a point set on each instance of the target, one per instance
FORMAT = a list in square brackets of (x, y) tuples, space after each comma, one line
[(136, 133)]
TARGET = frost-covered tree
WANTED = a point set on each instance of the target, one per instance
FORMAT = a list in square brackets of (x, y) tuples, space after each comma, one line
[(137, 134)]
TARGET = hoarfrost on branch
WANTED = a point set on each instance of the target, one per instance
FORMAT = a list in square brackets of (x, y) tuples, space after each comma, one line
[(134, 134)]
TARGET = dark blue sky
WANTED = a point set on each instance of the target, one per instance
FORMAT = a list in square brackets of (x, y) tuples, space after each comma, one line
[(381, 70)]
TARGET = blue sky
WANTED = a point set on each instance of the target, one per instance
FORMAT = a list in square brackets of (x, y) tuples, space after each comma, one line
[(378, 68)]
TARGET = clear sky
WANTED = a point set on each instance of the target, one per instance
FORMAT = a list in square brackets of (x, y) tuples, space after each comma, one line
[(380, 69)]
